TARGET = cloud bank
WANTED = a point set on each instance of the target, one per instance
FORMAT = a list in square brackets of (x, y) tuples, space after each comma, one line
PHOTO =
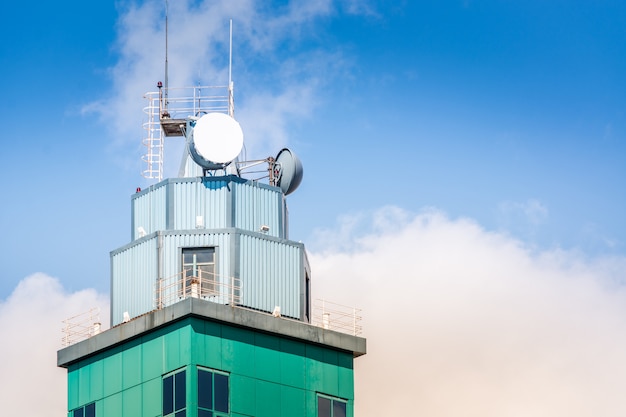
[(461, 321), (31, 322)]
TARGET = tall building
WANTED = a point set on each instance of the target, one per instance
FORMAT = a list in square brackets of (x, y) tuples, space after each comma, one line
[(211, 309)]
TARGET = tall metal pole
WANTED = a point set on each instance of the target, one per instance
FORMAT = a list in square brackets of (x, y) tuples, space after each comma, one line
[(166, 75)]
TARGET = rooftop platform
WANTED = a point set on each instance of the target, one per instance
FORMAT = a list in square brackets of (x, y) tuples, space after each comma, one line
[(224, 314)]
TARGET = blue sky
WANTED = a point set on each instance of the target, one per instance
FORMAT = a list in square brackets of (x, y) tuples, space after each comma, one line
[(512, 114), (475, 152)]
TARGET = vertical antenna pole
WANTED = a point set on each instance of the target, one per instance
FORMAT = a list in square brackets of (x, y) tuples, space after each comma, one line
[(166, 75), (231, 99), (230, 55)]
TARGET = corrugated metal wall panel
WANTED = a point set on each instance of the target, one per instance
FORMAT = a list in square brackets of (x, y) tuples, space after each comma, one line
[(271, 275), (134, 274), (149, 210), (257, 205), (192, 198)]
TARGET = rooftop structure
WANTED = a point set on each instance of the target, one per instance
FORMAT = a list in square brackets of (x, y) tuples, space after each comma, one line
[(211, 308)]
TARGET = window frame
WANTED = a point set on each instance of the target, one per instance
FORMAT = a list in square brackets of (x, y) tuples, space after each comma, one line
[(209, 286), (83, 409), (212, 410), (175, 375), (333, 400)]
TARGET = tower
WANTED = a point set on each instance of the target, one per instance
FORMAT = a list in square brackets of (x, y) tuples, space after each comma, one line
[(210, 301)]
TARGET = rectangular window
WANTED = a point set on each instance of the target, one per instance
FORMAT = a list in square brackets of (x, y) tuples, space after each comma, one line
[(330, 407), (174, 394), (87, 411), (213, 393), (199, 272)]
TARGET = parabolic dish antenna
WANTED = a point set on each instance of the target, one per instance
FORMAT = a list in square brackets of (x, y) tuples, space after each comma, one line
[(288, 171), (217, 139)]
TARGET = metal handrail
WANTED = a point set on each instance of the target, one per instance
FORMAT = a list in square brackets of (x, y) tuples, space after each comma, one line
[(205, 285), (338, 317), (81, 327)]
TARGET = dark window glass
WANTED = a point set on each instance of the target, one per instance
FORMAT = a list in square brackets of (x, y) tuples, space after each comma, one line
[(205, 389), (221, 393), (339, 409), (205, 413), (168, 395), (180, 392), (90, 410), (323, 407), (78, 412), (181, 413)]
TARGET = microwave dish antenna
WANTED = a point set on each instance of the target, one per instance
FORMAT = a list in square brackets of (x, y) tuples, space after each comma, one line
[(287, 171), (215, 141)]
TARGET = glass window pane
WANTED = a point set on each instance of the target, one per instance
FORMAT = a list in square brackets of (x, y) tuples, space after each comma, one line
[(187, 257), (205, 389), (323, 407), (339, 409), (168, 395), (204, 256), (221, 393), (181, 413), (205, 413), (90, 410), (180, 395), (78, 412)]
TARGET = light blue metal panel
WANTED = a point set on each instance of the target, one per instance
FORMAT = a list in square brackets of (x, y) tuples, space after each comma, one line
[(149, 210), (193, 198), (134, 270), (271, 273), (258, 205), (174, 242)]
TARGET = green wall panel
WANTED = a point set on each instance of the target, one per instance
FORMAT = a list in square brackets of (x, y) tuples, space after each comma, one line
[(151, 398), (266, 395), (131, 401), (112, 374), (113, 405), (243, 395), (292, 364), (73, 385), (292, 402), (269, 375), (152, 362), (131, 365)]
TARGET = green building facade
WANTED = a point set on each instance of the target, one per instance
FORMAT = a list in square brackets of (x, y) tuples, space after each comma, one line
[(256, 364)]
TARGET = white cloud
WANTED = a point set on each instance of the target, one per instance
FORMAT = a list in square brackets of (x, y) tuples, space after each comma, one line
[(198, 55), (31, 322), (462, 321)]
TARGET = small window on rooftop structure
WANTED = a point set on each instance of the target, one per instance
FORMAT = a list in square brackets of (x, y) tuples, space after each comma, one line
[(199, 272)]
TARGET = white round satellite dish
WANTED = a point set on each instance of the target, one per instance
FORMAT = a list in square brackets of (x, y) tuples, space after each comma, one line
[(217, 138)]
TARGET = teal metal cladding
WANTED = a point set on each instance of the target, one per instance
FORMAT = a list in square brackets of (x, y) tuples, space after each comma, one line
[(270, 376)]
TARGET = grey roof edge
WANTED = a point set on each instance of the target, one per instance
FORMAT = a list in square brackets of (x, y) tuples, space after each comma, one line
[(207, 310)]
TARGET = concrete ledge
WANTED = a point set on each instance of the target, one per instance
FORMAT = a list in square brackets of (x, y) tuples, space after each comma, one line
[(207, 310)]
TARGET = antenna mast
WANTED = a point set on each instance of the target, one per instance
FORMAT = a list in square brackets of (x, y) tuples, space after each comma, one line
[(166, 82)]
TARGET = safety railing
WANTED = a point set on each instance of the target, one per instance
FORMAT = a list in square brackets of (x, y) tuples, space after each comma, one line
[(168, 104), (201, 284), (338, 317), (81, 327)]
